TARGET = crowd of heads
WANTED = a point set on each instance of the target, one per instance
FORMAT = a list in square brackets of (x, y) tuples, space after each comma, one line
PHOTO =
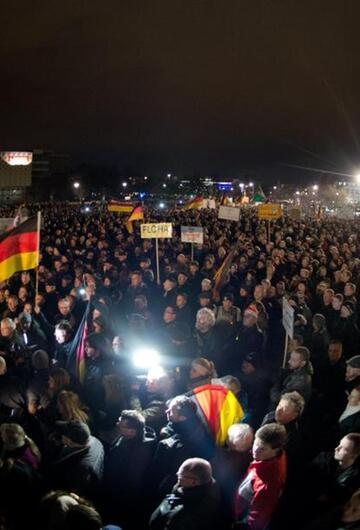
[(114, 379)]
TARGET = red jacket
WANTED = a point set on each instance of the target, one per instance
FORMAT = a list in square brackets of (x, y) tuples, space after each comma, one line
[(259, 492)]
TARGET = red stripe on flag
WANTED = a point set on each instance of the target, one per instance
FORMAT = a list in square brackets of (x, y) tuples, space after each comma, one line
[(18, 244)]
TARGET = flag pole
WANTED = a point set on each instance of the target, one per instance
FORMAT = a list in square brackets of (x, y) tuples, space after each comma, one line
[(157, 261), (38, 253), (192, 251)]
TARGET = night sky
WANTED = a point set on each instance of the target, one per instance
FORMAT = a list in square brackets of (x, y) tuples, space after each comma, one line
[(228, 87)]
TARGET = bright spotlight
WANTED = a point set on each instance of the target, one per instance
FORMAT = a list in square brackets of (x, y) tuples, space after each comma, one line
[(87, 209), (146, 358), (161, 205), (76, 185), (315, 187), (124, 184), (357, 178)]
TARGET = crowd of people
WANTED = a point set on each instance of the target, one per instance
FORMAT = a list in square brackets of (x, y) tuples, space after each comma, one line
[(133, 440)]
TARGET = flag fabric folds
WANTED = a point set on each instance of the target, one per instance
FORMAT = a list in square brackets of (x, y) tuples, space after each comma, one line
[(222, 272), (218, 408), (259, 196), (19, 248), (194, 204), (76, 359), (120, 206), (137, 214)]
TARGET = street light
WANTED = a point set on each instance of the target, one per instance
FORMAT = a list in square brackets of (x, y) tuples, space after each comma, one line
[(124, 184), (357, 178), (76, 185), (315, 187)]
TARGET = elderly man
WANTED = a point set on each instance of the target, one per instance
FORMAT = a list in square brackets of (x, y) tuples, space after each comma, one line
[(193, 503)]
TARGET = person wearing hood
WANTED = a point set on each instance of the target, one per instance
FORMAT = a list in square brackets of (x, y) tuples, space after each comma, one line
[(194, 502), (126, 468), (186, 437)]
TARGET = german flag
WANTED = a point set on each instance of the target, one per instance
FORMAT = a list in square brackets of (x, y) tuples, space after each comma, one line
[(120, 206), (222, 272), (137, 214), (218, 408), (19, 249), (194, 204)]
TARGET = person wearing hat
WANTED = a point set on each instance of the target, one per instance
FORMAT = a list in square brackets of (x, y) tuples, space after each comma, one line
[(78, 464), (228, 318), (201, 373), (194, 502), (347, 329)]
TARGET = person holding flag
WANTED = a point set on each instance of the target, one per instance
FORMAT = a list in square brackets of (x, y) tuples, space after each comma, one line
[(137, 214)]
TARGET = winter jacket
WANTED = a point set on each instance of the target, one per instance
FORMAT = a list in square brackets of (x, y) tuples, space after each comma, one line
[(260, 491), (188, 509), (79, 469), (299, 380), (185, 439)]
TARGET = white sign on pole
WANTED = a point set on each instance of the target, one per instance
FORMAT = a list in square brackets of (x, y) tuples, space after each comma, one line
[(192, 234), (155, 230), (229, 213), (288, 318)]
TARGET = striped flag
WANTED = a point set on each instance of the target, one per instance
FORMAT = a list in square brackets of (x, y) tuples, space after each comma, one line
[(19, 248), (218, 408), (76, 357), (120, 206), (222, 272), (194, 204), (137, 214)]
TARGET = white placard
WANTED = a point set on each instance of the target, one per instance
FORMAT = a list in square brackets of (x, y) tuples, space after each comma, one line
[(192, 234), (229, 213), (156, 230)]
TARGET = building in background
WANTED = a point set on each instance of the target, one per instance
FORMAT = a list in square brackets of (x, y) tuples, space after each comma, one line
[(15, 175)]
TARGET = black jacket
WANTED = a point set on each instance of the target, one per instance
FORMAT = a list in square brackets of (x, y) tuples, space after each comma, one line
[(79, 470), (185, 439), (189, 509)]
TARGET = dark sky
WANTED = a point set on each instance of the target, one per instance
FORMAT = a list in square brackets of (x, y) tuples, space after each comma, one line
[(187, 86)]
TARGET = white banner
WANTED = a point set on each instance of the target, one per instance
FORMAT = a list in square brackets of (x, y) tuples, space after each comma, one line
[(155, 230), (192, 234), (229, 213)]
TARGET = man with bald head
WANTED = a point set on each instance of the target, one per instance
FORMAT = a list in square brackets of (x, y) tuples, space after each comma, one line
[(194, 501)]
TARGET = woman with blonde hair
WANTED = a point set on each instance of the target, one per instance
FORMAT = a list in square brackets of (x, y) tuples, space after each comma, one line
[(70, 407)]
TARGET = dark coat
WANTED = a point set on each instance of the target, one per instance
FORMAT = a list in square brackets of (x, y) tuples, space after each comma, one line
[(186, 439), (126, 467), (290, 380), (79, 470), (189, 509)]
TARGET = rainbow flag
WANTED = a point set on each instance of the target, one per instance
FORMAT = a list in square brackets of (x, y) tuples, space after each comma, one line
[(218, 409), (120, 206), (137, 214), (194, 204), (19, 248)]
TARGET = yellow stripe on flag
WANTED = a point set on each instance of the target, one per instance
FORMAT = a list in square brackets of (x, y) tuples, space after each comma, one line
[(17, 263), (230, 412)]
